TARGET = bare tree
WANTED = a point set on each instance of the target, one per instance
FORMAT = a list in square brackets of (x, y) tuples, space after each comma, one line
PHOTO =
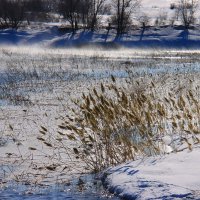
[(85, 10), (51, 5), (33, 9), (96, 7), (186, 10), (123, 10), (34, 5), (82, 12), (11, 13), (144, 21), (70, 9)]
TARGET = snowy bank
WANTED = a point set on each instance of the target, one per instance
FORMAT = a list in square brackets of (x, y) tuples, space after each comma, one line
[(173, 176), (54, 36)]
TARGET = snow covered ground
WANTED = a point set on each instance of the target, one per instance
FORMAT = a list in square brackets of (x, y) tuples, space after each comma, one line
[(173, 176), (36, 89), (48, 35), (37, 84), (51, 36)]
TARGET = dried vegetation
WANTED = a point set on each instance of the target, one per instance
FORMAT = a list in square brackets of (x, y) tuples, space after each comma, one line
[(113, 124)]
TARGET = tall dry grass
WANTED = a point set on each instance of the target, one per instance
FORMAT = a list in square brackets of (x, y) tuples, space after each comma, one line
[(113, 124)]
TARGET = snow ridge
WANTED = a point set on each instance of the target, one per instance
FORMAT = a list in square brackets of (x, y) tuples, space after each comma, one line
[(174, 176)]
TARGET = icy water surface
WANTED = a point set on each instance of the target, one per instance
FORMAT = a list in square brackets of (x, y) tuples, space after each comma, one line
[(91, 190), (54, 195)]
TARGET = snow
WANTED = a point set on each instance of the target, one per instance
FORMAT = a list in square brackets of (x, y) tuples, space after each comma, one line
[(167, 140), (52, 37), (176, 175), (160, 3), (170, 176), (47, 34), (164, 177)]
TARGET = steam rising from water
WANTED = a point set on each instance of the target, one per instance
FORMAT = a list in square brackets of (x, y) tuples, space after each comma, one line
[(99, 52)]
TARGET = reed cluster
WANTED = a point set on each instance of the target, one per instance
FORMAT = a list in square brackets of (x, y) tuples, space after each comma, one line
[(112, 124)]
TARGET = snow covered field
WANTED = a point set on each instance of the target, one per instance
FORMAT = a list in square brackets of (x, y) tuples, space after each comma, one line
[(163, 36), (174, 176), (51, 36), (36, 88), (166, 34), (42, 72)]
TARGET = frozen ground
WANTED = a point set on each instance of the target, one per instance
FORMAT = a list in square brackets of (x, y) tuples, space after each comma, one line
[(36, 89)]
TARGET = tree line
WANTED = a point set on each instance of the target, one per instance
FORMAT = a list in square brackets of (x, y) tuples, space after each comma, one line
[(86, 14)]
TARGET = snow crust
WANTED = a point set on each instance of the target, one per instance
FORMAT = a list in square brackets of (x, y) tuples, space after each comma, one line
[(173, 176)]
